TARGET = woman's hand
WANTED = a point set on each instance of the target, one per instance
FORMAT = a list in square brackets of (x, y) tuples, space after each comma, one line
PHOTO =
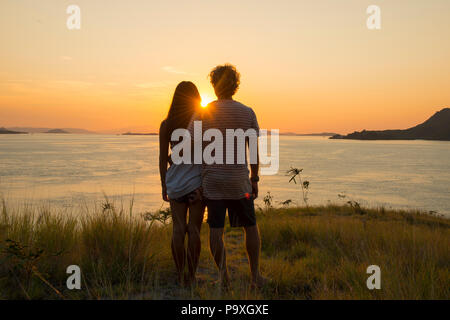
[(197, 195), (164, 193)]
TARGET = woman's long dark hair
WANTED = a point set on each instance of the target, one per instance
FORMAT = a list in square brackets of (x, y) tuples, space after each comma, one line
[(185, 102)]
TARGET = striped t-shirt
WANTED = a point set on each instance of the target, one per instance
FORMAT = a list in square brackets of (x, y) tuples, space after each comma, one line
[(226, 181)]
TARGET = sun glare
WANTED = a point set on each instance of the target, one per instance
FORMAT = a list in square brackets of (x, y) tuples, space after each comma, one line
[(206, 100)]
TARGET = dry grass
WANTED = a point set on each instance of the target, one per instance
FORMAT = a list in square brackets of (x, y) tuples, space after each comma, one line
[(314, 253)]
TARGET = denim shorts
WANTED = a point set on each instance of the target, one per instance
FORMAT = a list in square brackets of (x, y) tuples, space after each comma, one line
[(186, 198)]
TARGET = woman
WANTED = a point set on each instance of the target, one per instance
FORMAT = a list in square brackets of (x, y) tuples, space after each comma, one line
[(181, 183)]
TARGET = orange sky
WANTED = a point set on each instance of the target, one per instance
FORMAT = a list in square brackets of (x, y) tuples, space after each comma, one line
[(307, 66)]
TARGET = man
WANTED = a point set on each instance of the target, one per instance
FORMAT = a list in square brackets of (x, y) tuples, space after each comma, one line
[(226, 184)]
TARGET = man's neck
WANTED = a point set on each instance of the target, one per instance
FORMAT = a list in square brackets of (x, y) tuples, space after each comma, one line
[(225, 98)]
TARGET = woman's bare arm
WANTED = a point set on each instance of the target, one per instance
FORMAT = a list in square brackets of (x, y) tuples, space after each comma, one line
[(163, 157)]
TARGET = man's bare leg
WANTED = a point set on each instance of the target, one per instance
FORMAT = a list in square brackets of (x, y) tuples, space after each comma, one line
[(217, 247), (253, 246)]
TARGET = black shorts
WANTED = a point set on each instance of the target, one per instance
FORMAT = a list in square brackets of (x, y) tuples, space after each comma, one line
[(241, 212)]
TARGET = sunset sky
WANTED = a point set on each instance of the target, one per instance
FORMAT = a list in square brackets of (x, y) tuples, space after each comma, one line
[(307, 66)]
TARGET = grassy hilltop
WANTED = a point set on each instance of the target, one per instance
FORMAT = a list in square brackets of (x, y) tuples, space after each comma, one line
[(309, 253)]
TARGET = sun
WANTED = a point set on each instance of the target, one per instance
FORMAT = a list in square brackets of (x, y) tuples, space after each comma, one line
[(206, 99)]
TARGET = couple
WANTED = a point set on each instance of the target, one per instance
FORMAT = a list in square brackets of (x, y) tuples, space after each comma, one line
[(218, 186)]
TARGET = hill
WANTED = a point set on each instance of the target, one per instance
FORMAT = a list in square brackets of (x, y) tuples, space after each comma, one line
[(321, 134), (57, 131), (139, 134), (435, 128), (44, 130), (6, 131)]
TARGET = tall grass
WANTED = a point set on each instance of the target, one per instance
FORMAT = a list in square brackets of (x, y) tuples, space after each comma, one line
[(324, 253), (118, 253), (309, 253)]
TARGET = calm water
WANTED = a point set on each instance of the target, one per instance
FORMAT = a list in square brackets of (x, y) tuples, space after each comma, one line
[(67, 170)]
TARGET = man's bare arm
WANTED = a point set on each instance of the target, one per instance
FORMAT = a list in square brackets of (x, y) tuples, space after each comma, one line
[(254, 173)]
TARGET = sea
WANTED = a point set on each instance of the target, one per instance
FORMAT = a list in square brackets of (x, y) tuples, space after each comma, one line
[(83, 170)]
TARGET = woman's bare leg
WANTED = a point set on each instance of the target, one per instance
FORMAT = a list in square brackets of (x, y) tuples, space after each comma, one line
[(196, 212), (179, 212)]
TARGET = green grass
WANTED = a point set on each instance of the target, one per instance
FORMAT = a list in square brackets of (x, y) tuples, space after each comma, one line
[(309, 253)]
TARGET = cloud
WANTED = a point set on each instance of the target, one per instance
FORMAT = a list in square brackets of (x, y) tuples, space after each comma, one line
[(171, 69)]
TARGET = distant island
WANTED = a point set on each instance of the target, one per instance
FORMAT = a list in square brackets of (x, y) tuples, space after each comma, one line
[(56, 131), (435, 128), (139, 134), (6, 131), (321, 134), (46, 130)]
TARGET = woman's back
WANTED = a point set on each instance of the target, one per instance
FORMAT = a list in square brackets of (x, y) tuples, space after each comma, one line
[(181, 179)]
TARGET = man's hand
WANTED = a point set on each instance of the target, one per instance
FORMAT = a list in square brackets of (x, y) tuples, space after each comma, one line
[(255, 189)]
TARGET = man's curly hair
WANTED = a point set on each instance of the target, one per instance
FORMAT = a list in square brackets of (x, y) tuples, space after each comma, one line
[(225, 80)]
